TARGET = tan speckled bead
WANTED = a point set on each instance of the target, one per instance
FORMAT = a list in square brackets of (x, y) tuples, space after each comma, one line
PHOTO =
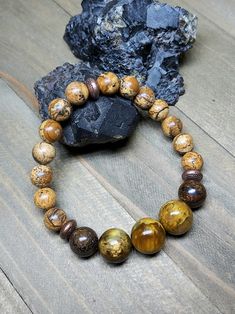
[(192, 161), (77, 93), (59, 109), (54, 219), (41, 176), (43, 153), (183, 143), (108, 83), (171, 126), (176, 217), (145, 98), (50, 131), (159, 110), (45, 198), (129, 87)]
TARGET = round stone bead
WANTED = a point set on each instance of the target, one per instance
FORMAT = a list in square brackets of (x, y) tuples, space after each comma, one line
[(145, 98), (148, 236), (59, 109), (77, 93), (93, 88), (43, 153), (183, 143), (67, 229), (176, 217), (171, 126), (159, 110), (54, 219), (115, 245), (50, 131), (45, 198), (193, 193), (84, 242), (108, 83), (192, 161), (195, 175), (41, 176), (129, 87)]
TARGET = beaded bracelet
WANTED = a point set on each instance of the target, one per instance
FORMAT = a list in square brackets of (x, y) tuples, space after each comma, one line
[(148, 234)]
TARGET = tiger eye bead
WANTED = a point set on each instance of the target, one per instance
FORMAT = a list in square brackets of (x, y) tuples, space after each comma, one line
[(77, 93), (183, 143), (59, 109), (129, 87), (108, 83), (41, 176), (115, 245), (50, 131), (54, 219), (159, 110), (195, 175), (171, 126), (145, 98), (192, 161), (43, 153), (67, 229), (93, 88), (148, 236), (84, 242), (176, 217), (193, 193), (45, 198)]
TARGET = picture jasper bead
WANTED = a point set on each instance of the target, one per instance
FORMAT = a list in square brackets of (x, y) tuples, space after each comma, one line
[(43, 153), (93, 88), (171, 126), (54, 219), (195, 175), (193, 193), (41, 176), (129, 87), (50, 131), (148, 236), (192, 161), (176, 217), (77, 93), (115, 245), (159, 110), (183, 143), (108, 83), (145, 98), (45, 198), (59, 109), (67, 229), (84, 242)]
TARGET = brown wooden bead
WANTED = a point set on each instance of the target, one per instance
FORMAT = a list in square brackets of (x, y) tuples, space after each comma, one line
[(145, 98), (43, 153), (193, 193), (171, 126), (108, 83), (195, 175), (183, 143), (59, 109), (67, 229), (45, 198), (41, 176), (93, 88), (54, 219), (159, 110), (50, 131), (84, 242), (77, 93), (129, 87), (192, 161)]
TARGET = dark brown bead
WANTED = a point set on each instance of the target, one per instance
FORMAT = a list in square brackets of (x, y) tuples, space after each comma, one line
[(84, 242), (195, 175), (67, 229), (93, 88), (193, 193)]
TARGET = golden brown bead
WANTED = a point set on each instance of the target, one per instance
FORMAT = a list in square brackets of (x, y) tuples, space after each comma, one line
[(148, 236), (176, 217), (171, 126), (192, 161), (41, 176), (183, 143), (159, 110), (54, 219), (129, 87), (45, 198), (93, 88), (50, 131), (108, 83), (145, 98), (59, 109), (43, 153), (77, 93)]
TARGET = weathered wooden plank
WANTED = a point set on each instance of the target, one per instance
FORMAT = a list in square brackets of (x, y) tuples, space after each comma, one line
[(73, 7)]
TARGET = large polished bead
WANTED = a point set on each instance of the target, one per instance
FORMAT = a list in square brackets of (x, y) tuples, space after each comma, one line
[(108, 83), (193, 193), (84, 242), (145, 98), (159, 110), (192, 161), (129, 87), (45, 198), (171, 126), (77, 93), (54, 219), (59, 109), (67, 229), (50, 131), (43, 153), (115, 245), (195, 175), (93, 88), (41, 176), (176, 217), (183, 143), (148, 236)]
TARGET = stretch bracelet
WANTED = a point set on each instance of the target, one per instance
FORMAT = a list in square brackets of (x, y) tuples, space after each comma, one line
[(148, 234)]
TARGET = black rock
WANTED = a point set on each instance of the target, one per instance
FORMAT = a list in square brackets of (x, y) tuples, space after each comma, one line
[(140, 37)]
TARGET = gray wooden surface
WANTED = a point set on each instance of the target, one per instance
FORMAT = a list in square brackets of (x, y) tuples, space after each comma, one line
[(114, 187)]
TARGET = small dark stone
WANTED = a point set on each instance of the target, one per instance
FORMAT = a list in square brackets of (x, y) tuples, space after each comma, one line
[(195, 175), (94, 91), (193, 193), (67, 229), (84, 242)]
